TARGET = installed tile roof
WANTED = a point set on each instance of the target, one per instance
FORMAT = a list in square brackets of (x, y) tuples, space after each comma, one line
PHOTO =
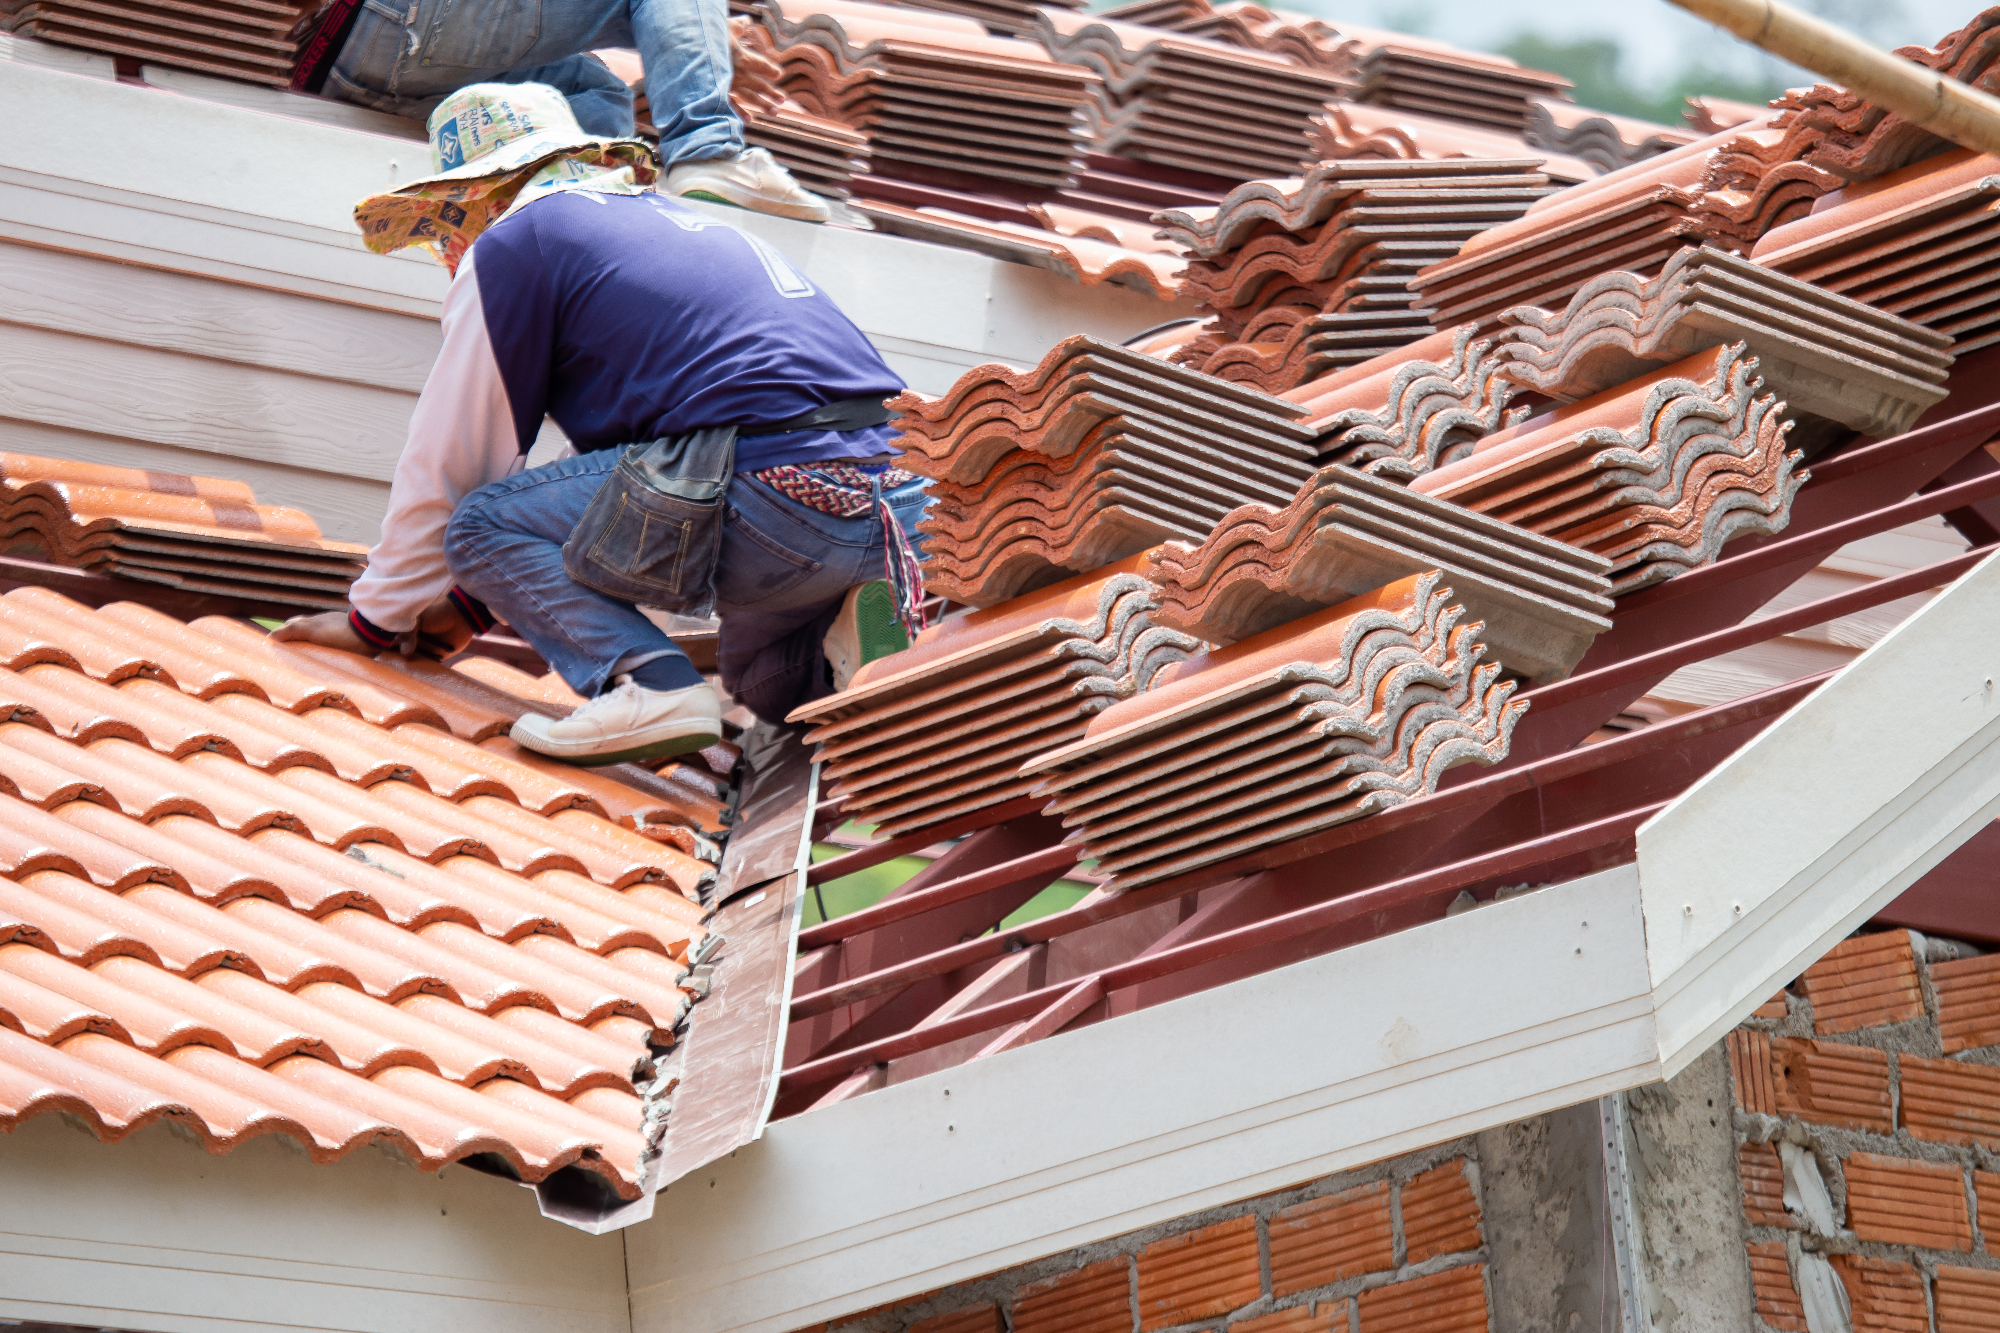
[(259, 888)]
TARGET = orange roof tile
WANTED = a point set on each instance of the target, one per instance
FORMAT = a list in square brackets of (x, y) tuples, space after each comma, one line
[(230, 901)]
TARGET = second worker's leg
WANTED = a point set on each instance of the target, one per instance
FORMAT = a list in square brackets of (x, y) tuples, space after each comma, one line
[(685, 47)]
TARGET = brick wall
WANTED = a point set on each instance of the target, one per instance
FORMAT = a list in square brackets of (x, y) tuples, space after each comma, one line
[(1396, 1247), (1877, 1074)]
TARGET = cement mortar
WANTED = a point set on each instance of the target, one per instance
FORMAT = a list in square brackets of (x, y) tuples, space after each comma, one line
[(1546, 1229), (1689, 1202)]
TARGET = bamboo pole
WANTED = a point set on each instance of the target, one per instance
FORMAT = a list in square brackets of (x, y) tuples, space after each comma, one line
[(1947, 108)]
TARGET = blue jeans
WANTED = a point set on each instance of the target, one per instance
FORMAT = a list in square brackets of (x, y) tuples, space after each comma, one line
[(783, 571), (406, 60)]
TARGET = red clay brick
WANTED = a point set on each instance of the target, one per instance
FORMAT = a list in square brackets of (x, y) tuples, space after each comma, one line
[(1831, 1084), (1949, 1101), (978, 1319), (1763, 1174), (1199, 1273), (1771, 1281), (1864, 981), (1453, 1301), (1096, 1299), (1750, 1071), (1775, 1007), (1885, 1295), (1907, 1203), (1440, 1215), (1324, 1240), (1331, 1318), (1968, 1001), (1968, 1300)]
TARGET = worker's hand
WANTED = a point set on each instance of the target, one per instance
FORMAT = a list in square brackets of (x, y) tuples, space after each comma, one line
[(329, 629), (442, 630)]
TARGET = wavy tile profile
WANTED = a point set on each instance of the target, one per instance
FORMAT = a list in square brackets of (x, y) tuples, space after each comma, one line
[(253, 888), (1318, 722)]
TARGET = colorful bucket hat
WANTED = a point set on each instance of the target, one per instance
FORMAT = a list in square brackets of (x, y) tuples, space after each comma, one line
[(495, 148)]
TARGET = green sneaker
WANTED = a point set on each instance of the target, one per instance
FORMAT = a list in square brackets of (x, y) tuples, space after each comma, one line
[(865, 631)]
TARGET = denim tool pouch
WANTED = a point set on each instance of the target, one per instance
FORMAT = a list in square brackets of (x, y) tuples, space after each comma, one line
[(654, 529)]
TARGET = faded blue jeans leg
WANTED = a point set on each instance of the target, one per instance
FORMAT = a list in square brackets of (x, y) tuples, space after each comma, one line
[(780, 578), (784, 571), (504, 545), (405, 59)]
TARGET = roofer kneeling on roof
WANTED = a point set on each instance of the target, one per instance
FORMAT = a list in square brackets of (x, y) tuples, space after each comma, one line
[(732, 435)]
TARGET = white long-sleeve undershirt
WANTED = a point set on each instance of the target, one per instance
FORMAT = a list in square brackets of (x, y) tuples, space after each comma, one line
[(462, 436)]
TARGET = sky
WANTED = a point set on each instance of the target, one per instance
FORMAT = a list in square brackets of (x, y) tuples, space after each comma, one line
[(1658, 42)]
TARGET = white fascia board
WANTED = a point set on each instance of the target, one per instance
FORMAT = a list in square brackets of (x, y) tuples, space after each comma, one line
[(1267, 1082), (1819, 821), (154, 1233)]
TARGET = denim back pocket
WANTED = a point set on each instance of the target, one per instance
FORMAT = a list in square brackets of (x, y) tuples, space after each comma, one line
[(638, 545)]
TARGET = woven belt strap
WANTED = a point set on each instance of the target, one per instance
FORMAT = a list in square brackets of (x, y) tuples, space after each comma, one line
[(846, 491), (839, 489)]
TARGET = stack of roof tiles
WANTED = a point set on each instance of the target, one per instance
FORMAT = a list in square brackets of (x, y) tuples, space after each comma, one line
[(1824, 354), (1310, 41), (1338, 246), (1655, 475), (1631, 220), (1823, 137), (1915, 243), (1605, 141), (1348, 711), (1405, 413), (251, 887), (1184, 101), (200, 534), (1542, 601), (1086, 247), (1097, 453), (940, 729), (253, 40), (1348, 130), (1413, 74), (824, 155), (933, 91), (1014, 17)]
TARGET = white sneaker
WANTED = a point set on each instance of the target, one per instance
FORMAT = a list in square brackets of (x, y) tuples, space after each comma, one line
[(753, 180), (627, 722)]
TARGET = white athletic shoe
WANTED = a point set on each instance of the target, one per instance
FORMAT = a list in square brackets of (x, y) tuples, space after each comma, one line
[(627, 722), (753, 180)]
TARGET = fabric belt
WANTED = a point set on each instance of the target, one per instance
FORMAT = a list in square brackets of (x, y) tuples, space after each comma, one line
[(843, 490)]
